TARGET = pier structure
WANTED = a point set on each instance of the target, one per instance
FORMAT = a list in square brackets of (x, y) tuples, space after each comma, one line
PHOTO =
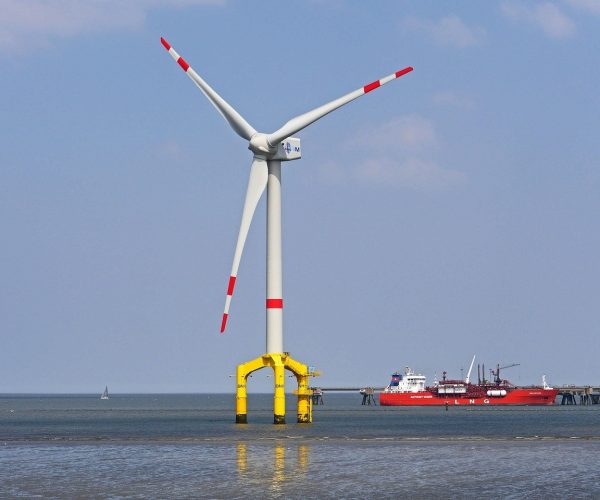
[(586, 395), (367, 393), (317, 396), (368, 396)]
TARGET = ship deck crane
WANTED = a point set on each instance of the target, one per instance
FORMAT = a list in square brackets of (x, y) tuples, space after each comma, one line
[(496, 373)]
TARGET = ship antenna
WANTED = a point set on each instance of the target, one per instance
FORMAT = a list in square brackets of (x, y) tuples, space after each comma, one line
[(469, 372), (546, 386)]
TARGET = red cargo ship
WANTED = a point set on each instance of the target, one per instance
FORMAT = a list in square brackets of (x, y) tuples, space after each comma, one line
[(409, 389)]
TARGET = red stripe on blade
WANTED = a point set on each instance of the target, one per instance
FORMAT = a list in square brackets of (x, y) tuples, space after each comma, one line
[(403, 71), (371, 86), (231, 285), (183, 64), (224, 322), (165, 43), (274, 303)]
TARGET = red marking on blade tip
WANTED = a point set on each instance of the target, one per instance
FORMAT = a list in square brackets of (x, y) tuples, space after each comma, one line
[(183, 64), (223, 322), (274, 303), (231, 285), (404, 71), (371, 86), (165, 43)]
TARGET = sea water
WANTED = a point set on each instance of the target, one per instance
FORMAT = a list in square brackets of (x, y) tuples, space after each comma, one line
[(188, 446)]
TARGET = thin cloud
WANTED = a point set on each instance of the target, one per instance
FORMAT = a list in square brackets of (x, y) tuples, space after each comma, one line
[(406, 133), (171, 151), (397, 154), (331, 172), (412, 173), (448, 31), (452, 99), (547, 16), (591, 6), (26, 25)]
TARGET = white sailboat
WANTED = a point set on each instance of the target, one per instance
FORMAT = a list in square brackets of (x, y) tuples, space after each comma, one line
[(105, 393)]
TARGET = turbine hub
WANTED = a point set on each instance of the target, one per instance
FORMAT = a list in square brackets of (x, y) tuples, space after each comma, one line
[(259, 145)]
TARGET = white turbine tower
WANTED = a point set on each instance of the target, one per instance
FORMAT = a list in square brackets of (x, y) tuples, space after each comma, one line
[(269, 150)]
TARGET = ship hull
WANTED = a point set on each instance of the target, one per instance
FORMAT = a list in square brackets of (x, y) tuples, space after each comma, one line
[(525, 397)]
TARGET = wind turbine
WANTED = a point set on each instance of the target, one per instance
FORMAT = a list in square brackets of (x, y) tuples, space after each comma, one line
[(269, 150)]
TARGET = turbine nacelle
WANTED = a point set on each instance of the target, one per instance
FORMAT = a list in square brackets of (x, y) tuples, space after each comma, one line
[(286, 150)]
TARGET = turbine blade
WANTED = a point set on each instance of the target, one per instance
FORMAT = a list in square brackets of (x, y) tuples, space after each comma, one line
[(235, 120), (302, 121), (259, 174)]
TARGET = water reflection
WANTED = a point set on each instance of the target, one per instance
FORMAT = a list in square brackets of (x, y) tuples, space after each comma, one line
[(303, 458), (241, 457), (274, 464), (279, 476)]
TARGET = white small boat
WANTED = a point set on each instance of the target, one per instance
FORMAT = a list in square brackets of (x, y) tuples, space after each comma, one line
[(105, 393)]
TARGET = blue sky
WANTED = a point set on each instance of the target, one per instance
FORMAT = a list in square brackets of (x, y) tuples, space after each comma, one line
[(452, 212)]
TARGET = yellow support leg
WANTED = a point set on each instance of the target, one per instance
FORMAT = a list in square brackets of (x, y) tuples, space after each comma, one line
[(304, 400), (279, 397), (241, 396), (304, 393), (241, 415)]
